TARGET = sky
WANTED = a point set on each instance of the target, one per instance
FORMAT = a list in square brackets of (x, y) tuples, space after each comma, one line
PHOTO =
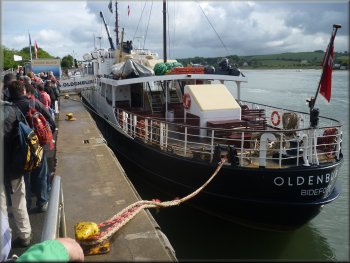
[(195, 28)]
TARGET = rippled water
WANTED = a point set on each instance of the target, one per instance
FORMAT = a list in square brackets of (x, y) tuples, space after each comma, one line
[(196, 236), (289, 89)]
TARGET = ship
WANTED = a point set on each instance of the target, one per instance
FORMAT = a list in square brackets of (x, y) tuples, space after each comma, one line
[(176, 123)]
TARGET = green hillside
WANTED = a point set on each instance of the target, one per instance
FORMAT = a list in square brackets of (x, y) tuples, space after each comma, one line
[(283, 60)]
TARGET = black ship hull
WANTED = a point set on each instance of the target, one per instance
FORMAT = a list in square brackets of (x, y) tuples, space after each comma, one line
[(267, 198)]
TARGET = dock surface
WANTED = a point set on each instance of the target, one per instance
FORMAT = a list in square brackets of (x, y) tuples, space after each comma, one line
[(95, 188)]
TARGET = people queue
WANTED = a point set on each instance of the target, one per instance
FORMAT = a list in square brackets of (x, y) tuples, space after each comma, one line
[(22, 92)]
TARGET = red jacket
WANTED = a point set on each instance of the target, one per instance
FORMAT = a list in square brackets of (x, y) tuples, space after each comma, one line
[(45, 99)]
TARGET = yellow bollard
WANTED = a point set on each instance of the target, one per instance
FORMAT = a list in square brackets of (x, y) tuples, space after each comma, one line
[(86, 230), (70, 117)]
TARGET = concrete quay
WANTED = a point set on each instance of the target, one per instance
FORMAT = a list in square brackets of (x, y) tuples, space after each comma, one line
[(95, 187)]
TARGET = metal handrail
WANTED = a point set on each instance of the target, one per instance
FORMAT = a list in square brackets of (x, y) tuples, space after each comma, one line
[(131, 125), (54, 224)]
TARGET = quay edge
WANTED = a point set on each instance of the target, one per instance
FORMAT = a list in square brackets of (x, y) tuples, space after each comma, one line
[(96, 187)]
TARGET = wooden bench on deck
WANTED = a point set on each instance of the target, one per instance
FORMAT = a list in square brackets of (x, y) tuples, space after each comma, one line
[(227, 124), (255, 117), (233, 137)]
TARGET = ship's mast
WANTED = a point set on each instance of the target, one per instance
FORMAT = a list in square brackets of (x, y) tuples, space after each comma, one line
[(164, 31), (116, 23)]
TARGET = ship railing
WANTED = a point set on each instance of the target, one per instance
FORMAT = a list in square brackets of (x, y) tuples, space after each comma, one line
[(275, 148), (55, 221), (303, 117)]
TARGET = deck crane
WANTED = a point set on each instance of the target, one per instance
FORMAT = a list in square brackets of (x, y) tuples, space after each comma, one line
[(109, 36)]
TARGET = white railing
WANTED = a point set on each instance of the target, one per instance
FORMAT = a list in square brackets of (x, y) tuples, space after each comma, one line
[(270, 148)]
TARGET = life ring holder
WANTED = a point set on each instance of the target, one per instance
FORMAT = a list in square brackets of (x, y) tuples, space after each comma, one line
[(274, 121), (186, 101)]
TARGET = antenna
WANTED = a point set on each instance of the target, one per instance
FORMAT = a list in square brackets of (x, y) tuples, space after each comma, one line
[(139, 39), (100, 40), (116, 23)]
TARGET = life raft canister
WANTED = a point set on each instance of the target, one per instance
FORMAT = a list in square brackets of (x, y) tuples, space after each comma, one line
[(186, 100), (275, 118)]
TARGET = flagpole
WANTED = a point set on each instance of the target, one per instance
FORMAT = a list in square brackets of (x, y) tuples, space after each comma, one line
[(36, 50), (30, 48), (331, 42)]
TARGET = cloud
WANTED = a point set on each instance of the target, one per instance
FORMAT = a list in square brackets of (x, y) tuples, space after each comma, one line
[(49, 36), (195, 28)]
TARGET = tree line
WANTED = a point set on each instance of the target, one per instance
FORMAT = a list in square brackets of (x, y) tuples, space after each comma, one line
[(8, 57), (284, 60)]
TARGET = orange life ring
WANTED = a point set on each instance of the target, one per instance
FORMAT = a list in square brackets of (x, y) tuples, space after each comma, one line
[(141, 131), (186, 101), (275, 121)]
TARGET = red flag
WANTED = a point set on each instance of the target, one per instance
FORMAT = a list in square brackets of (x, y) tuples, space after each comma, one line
[(128, 10), (36, 50), (326, 82)]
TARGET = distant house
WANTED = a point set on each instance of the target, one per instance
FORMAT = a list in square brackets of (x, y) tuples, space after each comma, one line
[(245, 64), (304, 62)]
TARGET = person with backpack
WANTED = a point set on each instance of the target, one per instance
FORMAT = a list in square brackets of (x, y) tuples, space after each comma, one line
[(40, 174), (13, 183), (30, 90)]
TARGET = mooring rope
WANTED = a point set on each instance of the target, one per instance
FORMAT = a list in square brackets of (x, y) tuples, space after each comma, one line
[(113, 224)]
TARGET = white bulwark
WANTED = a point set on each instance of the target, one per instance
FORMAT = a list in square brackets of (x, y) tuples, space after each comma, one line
[(77, 83)]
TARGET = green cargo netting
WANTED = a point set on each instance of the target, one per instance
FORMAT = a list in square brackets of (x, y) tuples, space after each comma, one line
[(163, 68), (160, 68)]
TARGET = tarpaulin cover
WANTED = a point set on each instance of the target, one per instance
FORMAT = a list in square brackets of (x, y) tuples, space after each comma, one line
[(131, 69)]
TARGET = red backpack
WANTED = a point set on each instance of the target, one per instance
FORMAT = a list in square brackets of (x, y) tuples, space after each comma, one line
[(40, 126)]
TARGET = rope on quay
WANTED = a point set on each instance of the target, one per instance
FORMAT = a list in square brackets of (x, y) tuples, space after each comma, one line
[(112, 225)]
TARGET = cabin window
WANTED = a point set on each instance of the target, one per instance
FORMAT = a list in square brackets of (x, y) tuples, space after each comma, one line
[(109, 94), (98, 87), (136, 95), (103, 90)]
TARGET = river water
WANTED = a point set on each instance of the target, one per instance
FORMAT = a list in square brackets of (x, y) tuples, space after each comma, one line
[(198, 236)]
